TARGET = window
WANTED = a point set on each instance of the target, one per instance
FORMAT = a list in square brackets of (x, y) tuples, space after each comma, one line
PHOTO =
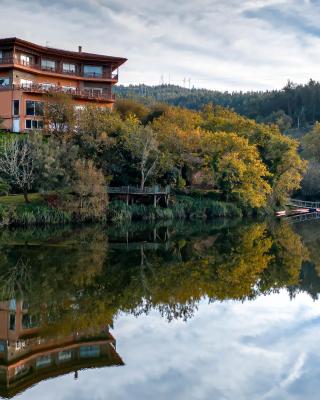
[(2, 347), (25, 60), (64, 355), (16, 107), (20, 369), (69, 68), (30, 321), (92, 71), (89, 351), (34, 108), (1, 54), (48, 64), (34, 124), (43, 361), (4, 81), (12, 322)]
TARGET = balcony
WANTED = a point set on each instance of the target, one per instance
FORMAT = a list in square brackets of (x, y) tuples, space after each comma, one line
[(86, 94), (58, 70)]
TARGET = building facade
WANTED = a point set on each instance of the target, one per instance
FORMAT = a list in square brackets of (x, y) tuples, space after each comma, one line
[(28, 72)]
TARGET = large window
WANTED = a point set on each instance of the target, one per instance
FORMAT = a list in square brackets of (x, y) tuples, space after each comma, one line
[(25, 60), (16, 107), (65, 355), (34, 124), (4, 81), (12, 322), (48, 64), (43, 361), (29, 321), (69, 68), (92, 71), (34, 108), (89, 351)]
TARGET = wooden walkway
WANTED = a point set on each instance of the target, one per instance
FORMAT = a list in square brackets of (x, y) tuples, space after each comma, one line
[(303, 204), (132, 192)]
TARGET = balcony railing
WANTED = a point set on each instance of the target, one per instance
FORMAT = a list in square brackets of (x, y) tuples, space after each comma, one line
[(104, 95), (59, 69)]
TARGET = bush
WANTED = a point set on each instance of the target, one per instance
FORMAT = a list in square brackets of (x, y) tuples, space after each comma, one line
[(32, 215), (119, 212)]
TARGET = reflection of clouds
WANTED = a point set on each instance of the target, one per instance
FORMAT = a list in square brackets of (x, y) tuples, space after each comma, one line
[(265, 349)]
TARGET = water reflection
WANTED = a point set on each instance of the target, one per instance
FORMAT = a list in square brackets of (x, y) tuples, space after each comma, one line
[(62, 289)]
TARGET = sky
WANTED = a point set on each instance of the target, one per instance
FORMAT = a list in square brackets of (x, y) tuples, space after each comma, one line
[(267, 349), (216, 44)]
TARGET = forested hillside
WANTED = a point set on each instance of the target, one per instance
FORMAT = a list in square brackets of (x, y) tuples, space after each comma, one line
[(294, 106)]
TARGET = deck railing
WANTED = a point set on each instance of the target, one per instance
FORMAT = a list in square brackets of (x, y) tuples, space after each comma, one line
[(138, 190), (82, 93), (59, 69), (303, 204)]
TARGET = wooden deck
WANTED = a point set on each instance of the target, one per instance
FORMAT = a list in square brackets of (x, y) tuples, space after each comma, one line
[(133, 192)]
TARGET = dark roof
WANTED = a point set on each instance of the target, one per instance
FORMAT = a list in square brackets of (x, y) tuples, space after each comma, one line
[(83, 56)]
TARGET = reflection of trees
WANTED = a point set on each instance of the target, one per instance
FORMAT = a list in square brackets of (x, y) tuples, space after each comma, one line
[(75, 279)]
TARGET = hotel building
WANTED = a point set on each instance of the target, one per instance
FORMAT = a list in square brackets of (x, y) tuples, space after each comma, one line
[(29, 72)]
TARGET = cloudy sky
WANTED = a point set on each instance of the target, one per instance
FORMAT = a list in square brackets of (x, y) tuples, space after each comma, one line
[(267, 349), (225, 45)]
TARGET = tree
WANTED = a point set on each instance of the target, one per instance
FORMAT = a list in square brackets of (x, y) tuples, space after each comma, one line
[(142, 142), (59, 115), (87, 196), (17, 164), (311, 144)]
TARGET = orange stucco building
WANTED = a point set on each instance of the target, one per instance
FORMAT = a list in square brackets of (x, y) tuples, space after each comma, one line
[(28, 72)]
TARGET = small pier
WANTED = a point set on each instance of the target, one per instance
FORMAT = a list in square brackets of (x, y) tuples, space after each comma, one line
[(132, 193), (301, 210)]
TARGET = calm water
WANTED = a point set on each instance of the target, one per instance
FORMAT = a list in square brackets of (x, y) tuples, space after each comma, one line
[(227, 310)]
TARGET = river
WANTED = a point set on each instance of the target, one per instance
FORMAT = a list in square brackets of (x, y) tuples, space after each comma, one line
[(227, 310)]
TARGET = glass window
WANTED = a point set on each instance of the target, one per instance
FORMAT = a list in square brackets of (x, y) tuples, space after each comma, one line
[(30, 107), (16, 107), (25, 60), (4, 81), (12, 322), (2, 347), (64, 355), (71, 68), (43, 361), (1, 54), (28, 124), (89, 351), (48, 64), (92, 71), (34, 108), (30, 321), (39, 108)]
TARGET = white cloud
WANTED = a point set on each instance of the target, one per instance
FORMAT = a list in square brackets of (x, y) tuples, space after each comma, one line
[(252, 44), (264, 349)]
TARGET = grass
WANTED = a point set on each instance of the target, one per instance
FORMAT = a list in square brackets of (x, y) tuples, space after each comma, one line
[(18, 199)]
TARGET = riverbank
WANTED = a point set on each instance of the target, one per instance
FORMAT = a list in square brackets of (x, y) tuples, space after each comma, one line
[(13, 211)]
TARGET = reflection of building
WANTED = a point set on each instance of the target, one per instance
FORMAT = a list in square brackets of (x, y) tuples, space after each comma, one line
[(26, 357)]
